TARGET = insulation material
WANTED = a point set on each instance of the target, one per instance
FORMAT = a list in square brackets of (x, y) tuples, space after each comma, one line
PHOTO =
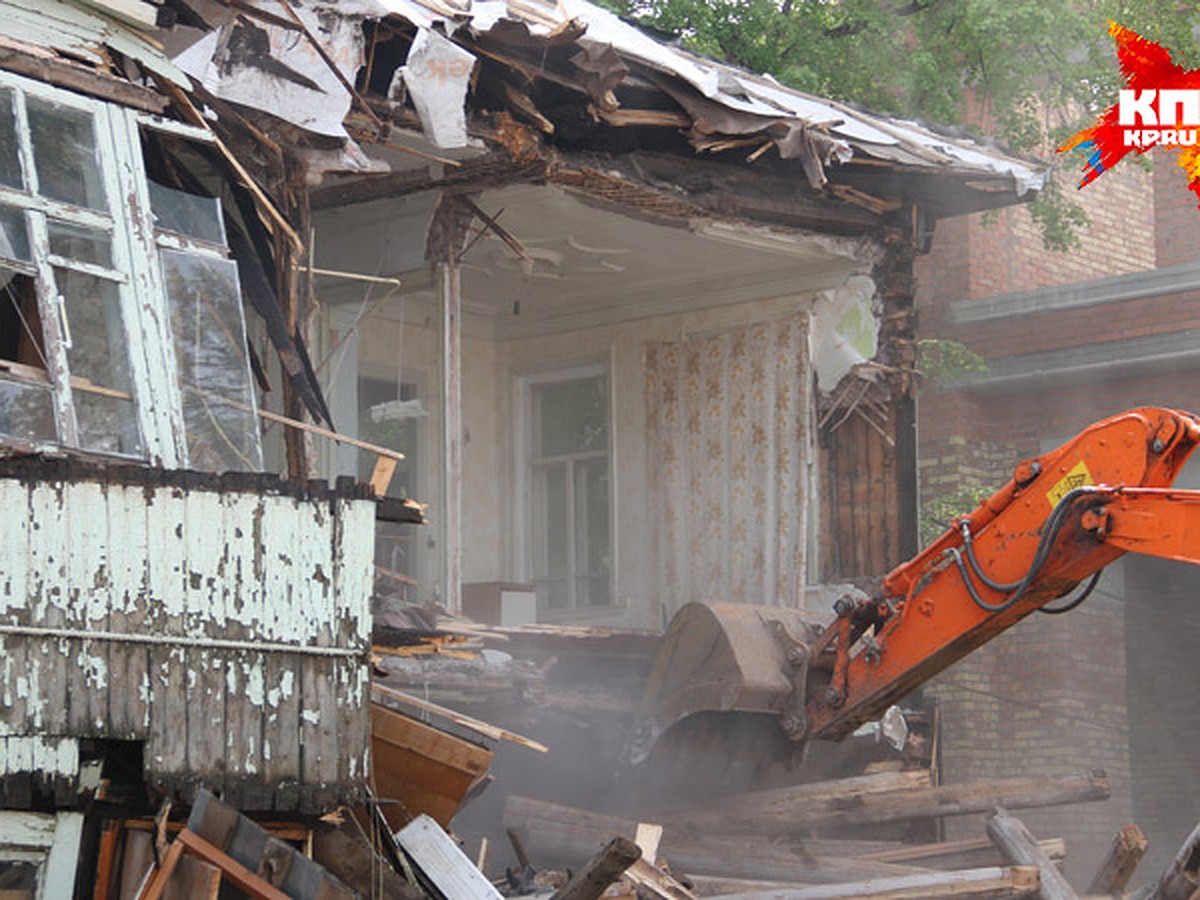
[(844, 330), (437, 76)]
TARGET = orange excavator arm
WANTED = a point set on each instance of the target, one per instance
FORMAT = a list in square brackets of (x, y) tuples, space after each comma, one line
[(1062, 518)]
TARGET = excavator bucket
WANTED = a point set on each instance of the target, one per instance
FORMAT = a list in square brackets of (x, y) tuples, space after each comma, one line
[(724, 657)]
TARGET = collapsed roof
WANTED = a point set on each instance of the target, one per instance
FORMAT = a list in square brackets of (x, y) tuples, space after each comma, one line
[(461, 73)]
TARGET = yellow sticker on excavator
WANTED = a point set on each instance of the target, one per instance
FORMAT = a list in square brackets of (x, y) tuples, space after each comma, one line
[(1077, 477)]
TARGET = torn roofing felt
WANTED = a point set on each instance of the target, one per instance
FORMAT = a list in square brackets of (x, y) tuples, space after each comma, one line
[(535, 57)]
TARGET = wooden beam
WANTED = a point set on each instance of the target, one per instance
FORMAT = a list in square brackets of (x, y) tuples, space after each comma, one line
[(774, 811), (1015, 881), (1019, 848), (1127, 850), (899, 805), (562, 833), (239, 876), (969, 854), (81, 79), (602, 870)]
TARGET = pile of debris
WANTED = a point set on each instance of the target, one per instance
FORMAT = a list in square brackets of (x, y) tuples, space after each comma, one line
[(841, 837)]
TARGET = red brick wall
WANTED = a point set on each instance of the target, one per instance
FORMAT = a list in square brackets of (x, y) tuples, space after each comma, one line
[(1050, 696), (1177, 236)]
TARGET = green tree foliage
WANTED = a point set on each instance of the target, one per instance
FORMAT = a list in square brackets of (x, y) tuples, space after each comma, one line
[(1024, 72)]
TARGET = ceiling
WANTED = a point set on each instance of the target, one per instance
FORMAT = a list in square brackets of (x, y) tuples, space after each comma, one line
[(586, 266)]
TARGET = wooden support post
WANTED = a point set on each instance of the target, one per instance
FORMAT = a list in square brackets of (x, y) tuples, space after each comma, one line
[(449, 517), (601, 870), (1018, 846), (1127, 851)]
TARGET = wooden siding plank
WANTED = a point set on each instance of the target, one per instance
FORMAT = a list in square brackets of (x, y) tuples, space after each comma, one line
[(244, 535), (353, 554), (128, 553), (284, 620), (46, 660), (166, 746), (205, 616), (16, 582)]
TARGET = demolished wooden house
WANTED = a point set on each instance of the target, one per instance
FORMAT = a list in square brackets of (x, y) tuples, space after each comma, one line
[(385, 245)]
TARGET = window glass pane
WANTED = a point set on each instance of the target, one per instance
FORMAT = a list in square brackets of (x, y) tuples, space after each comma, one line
[(26, 411), (195, 216), (572, 416), (14, 239), (10, 164), (552, 566), (592, 560), (214, 368), (79, 243), (64, 152), (99, 354)]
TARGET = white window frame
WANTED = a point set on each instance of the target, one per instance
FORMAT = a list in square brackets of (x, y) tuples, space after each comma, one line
[(49, 841), (136, 265), (134, 268), (525, 385)]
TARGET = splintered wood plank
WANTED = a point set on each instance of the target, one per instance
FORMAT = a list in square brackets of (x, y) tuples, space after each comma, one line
[(1127, 850), (602, 870), (426, 770)]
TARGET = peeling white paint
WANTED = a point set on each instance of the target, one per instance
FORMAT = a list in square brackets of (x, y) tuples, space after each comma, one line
[(47, 757), (182, 606)]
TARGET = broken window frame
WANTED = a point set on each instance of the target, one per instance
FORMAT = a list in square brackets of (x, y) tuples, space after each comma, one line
[(168, 240), (133, 269)]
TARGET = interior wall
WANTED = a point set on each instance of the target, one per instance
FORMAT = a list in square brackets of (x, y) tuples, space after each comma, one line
[(491, 386)]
